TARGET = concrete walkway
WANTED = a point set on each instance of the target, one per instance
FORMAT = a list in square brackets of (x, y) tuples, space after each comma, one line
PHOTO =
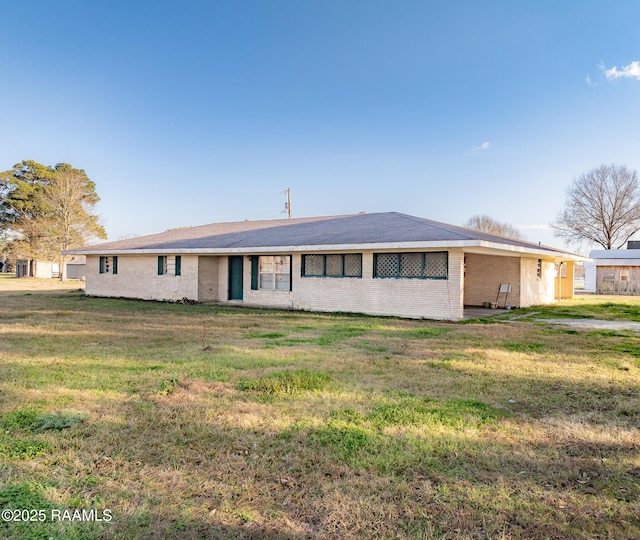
[(481, 313), (582, 324), (594, 324)]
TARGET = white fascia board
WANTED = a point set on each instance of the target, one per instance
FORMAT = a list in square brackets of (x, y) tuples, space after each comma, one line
[(617, 262), (609, 254), (465, 245), (557, 256)]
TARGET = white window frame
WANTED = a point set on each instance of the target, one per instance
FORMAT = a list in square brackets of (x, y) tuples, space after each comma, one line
[(274, 273)]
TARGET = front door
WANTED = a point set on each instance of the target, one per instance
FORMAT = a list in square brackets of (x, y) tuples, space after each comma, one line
[(235, 278)]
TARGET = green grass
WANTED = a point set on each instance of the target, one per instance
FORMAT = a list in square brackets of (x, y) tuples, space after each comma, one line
[(287, 382), (592, 307), (22, 448), (221, 422), (370, 440)]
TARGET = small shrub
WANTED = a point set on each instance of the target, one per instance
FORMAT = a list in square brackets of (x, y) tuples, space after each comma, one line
[(58, 420)]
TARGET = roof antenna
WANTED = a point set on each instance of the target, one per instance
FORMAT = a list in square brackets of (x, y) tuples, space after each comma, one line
[(287, 204)]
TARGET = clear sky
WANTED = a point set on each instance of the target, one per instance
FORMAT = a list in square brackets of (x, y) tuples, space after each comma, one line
[(188, 112)]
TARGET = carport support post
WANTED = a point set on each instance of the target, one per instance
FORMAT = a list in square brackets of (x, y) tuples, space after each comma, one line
[(560, 280)]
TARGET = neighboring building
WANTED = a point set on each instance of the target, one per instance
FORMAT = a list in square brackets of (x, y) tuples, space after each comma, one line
[(76, 267), (37, 269), (380, 264), (614, 271)]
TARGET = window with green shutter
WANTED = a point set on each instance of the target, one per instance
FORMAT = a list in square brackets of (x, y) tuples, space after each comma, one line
[(255, 266), (169, 265), (108, 265)]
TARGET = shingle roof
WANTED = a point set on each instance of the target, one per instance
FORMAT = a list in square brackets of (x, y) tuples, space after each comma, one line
[(377, 228)]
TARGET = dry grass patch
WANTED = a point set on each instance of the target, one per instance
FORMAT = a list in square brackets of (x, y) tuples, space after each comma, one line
[(216, 422)]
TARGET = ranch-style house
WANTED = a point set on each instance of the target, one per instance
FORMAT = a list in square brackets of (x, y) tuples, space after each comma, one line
[(380, 264)]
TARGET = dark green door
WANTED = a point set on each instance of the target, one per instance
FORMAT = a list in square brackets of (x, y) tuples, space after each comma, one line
[(235, 278)]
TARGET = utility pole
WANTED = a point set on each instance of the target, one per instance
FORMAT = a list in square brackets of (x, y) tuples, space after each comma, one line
[(287, 205)]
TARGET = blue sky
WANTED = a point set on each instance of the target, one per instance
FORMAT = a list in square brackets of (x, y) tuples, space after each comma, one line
[(186, 113)]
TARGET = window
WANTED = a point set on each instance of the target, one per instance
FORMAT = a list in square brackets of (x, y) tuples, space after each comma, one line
[(539, 269), (169, 265), (347, 265), (428, 265), (108, 265), (273, 273)]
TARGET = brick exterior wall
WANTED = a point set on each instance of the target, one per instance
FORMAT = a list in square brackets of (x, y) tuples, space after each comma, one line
[(485, 273), (206, 278), (411, 298), (138, 277)]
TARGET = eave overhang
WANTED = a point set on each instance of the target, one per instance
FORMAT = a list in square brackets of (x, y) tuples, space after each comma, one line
[(467, 246)]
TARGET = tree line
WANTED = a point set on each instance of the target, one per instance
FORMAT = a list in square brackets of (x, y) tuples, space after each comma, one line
[(45, 210)]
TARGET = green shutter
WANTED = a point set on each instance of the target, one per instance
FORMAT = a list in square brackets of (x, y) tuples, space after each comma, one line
[(115, 265), (290, 273), (178, 265), (102, 265), (160, 265), (254, 272)]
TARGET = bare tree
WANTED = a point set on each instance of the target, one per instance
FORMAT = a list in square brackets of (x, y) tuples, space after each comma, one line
[(484, 223), (601, 206), (68, 221)]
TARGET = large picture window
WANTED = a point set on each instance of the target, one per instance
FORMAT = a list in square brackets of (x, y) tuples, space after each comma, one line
[(341, 265), (427, 265), (274, 272)]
